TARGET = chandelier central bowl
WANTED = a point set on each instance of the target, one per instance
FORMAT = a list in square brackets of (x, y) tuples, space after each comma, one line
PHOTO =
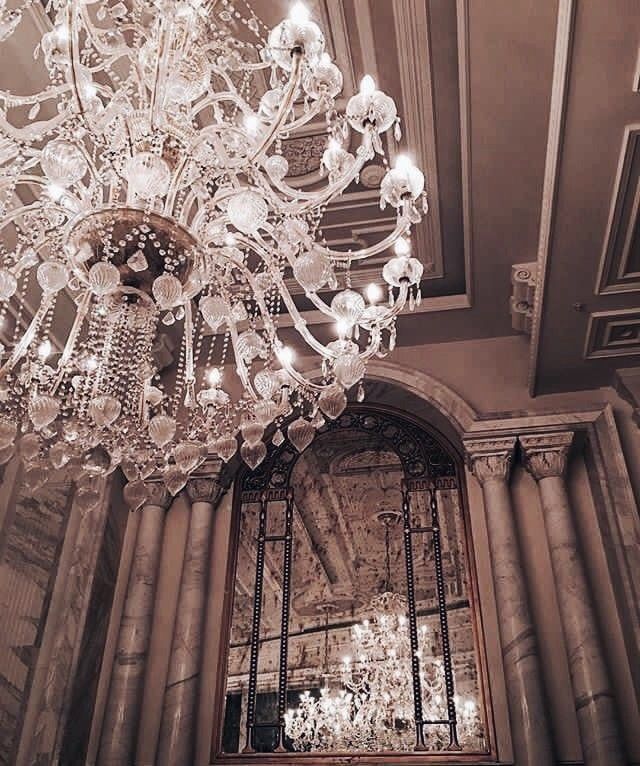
[(137, 242)]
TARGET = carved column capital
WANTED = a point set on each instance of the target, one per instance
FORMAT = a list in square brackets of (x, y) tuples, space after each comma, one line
[(157, 494), (490, 458), (545, 455), (201, 489)]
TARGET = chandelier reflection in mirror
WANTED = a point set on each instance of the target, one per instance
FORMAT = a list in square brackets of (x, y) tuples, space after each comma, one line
[(144, 188), (373, 709)]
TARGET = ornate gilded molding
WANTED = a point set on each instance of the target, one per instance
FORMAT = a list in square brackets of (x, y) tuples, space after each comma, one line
[(490, 459), (545, 455)]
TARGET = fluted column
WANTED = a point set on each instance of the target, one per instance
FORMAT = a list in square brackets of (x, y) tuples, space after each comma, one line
[(119, 729), (490, 462), (545, 456), (177, 731)]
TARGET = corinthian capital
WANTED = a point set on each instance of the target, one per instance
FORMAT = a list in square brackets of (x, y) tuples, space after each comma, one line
[(201, 489), (490, 458), (545, 455), (157, 494)]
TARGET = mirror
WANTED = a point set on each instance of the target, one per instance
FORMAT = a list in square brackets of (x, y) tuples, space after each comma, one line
[(344, 651)]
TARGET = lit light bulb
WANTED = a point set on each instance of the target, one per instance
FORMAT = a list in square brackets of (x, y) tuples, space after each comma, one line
[(299, 13), (402, 247), (91, 364), (89, 90), (62, 33), (367, 85), (44, 349), (55, 191), (286, 355), (251, 123), (343, 328), (346, 660), (374, 292), (230, 240), (403, 163), (214, 377), (325, 59)]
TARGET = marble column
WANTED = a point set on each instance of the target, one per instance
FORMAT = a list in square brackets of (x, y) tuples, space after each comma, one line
[(177, 730), (490, 462), (545, 457), (122, 714)]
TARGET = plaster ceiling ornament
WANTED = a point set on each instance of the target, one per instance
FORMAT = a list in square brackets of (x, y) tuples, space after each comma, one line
[(146, 187)]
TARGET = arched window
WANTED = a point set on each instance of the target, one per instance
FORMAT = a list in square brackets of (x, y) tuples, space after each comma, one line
[(353, 624)]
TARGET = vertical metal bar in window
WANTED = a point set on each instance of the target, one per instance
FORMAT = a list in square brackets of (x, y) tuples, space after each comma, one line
[(444, 625), (284, 625), (255, 627), (413, 622)]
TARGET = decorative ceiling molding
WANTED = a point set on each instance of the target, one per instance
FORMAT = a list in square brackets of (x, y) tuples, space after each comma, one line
[(366, 40), (333, 18), (414, 57), (613, 334), (561, 66), (523, 290), (615, 273), (464, 80)]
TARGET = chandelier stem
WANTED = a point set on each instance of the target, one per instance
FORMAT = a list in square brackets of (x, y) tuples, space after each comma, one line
[(20, 349), (283, 109), (73, 56), (83, 308)]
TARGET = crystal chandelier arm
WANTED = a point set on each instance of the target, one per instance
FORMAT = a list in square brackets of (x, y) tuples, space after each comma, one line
[(39, 205), (52, 91), (403, 226), (160, 68), (315, 199), (74, 57), (283, 110), (32, 131)]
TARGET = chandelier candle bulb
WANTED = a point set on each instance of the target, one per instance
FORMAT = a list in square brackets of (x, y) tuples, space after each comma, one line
[(159, 184)]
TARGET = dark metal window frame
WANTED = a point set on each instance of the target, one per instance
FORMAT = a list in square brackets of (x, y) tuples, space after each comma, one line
[(430, 464)]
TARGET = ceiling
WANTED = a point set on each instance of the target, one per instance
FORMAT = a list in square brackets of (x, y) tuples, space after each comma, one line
[(525, 117)]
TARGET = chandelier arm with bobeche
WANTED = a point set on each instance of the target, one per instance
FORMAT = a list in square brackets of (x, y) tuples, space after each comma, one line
[(157, 197)]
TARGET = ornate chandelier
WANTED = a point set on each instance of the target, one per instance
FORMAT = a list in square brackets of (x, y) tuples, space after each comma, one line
[(373, 710), (144, 189)]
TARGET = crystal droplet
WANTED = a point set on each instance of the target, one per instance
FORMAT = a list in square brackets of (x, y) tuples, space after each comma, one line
[(412, 303), (356, 332), (190, 396), (418, 296), (392, 338), (360, 394), (33, 112), (397, 131), (168, 319), (180, 313), (137, 262), (278, 438)]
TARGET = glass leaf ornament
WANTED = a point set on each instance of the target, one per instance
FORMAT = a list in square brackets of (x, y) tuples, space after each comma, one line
[(253, 454), (301, 433)]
